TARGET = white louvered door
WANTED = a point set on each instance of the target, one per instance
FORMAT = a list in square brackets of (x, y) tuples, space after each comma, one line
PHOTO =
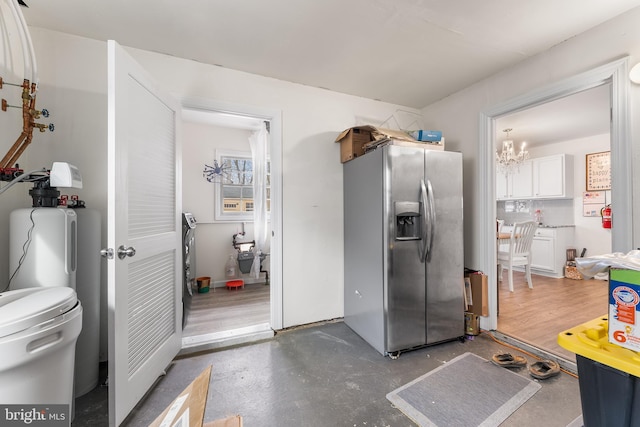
[(144, 205)]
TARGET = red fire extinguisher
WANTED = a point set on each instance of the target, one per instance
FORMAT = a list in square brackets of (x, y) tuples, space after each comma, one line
[(606, 216)]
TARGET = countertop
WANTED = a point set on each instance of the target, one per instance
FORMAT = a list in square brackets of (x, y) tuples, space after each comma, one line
[(544, 225)]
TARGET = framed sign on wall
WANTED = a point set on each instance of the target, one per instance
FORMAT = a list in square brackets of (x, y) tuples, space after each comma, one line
[(599, 171)]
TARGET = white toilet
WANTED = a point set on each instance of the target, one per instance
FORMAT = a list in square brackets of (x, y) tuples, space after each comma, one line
[(38, 332)]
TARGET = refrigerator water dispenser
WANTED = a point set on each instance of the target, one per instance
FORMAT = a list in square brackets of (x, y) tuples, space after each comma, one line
[(407, 220)]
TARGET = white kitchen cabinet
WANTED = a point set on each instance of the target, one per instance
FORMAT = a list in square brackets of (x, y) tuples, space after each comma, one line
[(549, 177), (553, 177), (549, 250), (502, 191), (543, 253), (515, 186)]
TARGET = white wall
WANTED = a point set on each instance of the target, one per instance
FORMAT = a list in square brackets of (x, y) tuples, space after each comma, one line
[(312, 173), (75, 94), (73, 86), (213, 239), (458, 115), (588, 231), (73, 76), (11, 70)]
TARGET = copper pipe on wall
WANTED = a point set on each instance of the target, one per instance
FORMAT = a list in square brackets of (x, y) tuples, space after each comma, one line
[(28, 119), (10, 154), (28, 123)]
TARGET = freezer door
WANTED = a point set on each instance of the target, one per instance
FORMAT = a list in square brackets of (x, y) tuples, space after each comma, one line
[(444, 261), (404, 270)]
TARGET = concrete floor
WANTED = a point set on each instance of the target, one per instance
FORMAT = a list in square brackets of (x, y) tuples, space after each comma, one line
[(323, 375)]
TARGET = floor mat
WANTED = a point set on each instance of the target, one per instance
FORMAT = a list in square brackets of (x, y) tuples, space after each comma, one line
[(466, 391)]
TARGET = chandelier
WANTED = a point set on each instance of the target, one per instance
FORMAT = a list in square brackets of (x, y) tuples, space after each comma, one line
[(507, 161)]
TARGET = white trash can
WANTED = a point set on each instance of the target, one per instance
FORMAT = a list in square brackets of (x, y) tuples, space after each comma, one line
[(38, 332)]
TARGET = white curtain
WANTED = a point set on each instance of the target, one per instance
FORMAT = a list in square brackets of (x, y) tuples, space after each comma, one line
[(259, 141)]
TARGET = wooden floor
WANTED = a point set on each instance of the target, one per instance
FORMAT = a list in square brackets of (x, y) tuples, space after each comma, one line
[(225, 310), (538, 315)]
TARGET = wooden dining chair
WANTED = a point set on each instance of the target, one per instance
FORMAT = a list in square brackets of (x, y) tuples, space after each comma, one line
[(518, 252)]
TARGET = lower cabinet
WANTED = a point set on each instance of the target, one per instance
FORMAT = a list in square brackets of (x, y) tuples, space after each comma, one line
[(549, 250), (543, 253)]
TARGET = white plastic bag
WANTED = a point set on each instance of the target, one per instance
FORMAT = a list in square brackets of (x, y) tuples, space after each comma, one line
[(591, 266)]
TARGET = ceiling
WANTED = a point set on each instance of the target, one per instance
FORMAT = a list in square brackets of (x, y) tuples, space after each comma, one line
[(577, 116), (407, 52)]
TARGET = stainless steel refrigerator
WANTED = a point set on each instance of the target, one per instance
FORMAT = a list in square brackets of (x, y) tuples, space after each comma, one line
[(403, 247)]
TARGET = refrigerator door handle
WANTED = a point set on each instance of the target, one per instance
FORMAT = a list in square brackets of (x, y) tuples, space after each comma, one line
[(432, 219), (422, 245)]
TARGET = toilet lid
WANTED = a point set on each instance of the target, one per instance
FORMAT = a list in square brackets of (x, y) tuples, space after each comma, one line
[(24, 308)]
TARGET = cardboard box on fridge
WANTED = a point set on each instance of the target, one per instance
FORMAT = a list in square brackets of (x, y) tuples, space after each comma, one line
[(404, 143), (187, 410), (426, 135), (353, 140), (479, 303), (624, 308)]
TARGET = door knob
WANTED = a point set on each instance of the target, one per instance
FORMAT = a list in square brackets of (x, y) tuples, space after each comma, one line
[(126, 252), (106, 253)]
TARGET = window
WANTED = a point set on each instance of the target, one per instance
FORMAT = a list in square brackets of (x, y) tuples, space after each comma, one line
[(234, 201)]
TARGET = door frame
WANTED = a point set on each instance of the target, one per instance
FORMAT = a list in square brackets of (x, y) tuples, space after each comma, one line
[(614, 73), (274, 116)]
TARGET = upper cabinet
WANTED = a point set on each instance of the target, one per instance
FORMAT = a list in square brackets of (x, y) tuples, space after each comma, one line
[(553, 177), (548, 177), (516, 186)]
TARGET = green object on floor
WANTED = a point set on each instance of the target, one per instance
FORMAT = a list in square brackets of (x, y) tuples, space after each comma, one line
[(203, 284)]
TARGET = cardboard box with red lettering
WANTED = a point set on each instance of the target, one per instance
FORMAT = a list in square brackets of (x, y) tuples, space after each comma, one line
[(624, 308)]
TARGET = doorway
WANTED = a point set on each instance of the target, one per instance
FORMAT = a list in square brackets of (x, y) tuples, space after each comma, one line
[(229, 316), (571, 127), (615, 74)]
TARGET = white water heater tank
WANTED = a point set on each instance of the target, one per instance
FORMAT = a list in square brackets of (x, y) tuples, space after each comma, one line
[(88, 289), (42, 248)]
